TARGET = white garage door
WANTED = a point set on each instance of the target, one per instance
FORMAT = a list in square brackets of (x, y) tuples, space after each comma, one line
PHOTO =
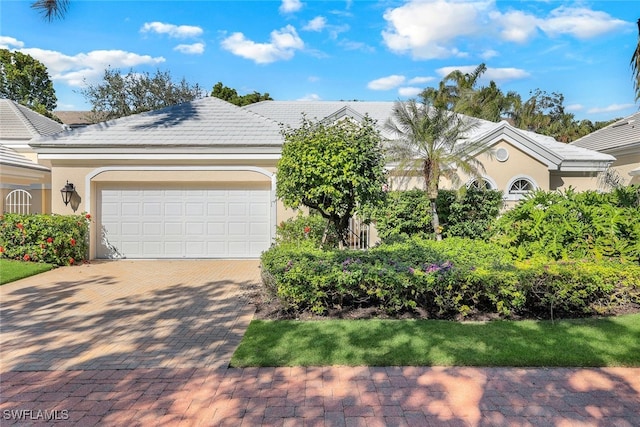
[(183, 223)]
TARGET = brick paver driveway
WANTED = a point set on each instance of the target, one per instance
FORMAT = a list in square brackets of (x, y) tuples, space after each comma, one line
[(127, 314), (137, 343)]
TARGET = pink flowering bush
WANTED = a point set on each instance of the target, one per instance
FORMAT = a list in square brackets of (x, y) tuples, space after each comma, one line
[(54, 239)]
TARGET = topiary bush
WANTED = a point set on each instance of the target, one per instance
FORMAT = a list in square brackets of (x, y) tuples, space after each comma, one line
[(54, 239), (449, 279)]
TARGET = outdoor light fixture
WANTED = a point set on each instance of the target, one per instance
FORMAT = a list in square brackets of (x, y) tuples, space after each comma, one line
[(67, 192)]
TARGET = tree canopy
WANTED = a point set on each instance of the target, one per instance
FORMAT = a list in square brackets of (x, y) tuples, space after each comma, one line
[(231, 95), (26, 80), (121, 95), (542, 112), (336, 169)]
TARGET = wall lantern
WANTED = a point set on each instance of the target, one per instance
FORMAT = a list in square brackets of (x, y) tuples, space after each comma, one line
[(67, 192)]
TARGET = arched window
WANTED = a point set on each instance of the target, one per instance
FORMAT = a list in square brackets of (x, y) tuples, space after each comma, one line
[(481, 184), (18, 202), (520, 186)]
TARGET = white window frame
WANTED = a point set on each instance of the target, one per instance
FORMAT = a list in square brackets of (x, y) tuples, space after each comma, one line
[(488, 180), (519, 195), (18, 201)]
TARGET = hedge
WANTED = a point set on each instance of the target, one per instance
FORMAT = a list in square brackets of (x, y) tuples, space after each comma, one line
[(453, 278), (54, 239)]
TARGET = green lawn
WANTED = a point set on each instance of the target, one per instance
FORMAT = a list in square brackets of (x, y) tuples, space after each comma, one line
[(11, 270), (613, 341)]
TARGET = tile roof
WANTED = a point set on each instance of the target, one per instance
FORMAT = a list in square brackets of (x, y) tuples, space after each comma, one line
[(213, 125), (9, 157), (18, 122), (207, 122), (290, 113), (74, 119), (624, 133)]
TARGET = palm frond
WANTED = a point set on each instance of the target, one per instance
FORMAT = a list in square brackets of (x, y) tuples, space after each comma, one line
[(51, 8)]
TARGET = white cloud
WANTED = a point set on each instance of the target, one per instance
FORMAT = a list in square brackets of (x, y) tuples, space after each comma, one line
[(496, 74), (10, 43), (515, 26), (316, 24), (282, 46), (409, 91), (574, 107), (354, 45), (434, 29), (488, 54), (73, 70), (310, 97), (175, 31), (190, 49), (386, 83), (290, 6), (505, 74), (580, 22), (611, 108), (428, 29), (421, 80)]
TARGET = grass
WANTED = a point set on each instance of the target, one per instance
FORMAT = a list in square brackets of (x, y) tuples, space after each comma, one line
[(611, 341), (11, 270)]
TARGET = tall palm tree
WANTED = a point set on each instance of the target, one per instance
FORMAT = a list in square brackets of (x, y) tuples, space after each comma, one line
[(433, 141), (51, 8), (635, 66)]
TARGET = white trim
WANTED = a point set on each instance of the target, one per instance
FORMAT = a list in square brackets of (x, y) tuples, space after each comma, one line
[(195, 156), (271, 175), (487, 178), (518, 196)]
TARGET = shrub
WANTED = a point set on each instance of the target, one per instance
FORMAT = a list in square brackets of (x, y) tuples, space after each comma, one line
[(473, 213), (572, 225), (565, 288), (467, 213), (307, 228), (453, 278), (54, 239)]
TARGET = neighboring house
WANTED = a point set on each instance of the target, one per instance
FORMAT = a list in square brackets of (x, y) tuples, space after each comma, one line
[(74, 119), (25, 182), (620, 139), (197, 180)]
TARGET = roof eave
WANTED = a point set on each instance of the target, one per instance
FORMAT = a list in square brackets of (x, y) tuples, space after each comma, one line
[(584, 165)]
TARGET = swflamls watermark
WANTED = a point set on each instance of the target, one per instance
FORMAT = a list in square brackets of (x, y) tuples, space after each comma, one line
[(35, 414)]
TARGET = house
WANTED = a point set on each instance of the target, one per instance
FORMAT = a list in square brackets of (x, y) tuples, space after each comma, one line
[(25, 182), (197, 180), (620, 139), (521, 161), (74, 119)]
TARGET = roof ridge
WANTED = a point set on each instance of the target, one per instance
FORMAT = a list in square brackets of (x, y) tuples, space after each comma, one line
[(22, 117)]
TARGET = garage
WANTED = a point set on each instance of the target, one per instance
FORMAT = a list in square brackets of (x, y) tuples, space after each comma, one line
[(162, 221)]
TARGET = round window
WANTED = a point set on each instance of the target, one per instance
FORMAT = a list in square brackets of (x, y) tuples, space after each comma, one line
[(502, 154)]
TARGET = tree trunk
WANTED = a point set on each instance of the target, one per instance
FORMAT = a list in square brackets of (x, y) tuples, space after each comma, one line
[(435, 221)]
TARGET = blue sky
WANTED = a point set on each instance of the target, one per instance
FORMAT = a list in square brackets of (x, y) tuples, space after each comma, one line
[(341, 50)]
